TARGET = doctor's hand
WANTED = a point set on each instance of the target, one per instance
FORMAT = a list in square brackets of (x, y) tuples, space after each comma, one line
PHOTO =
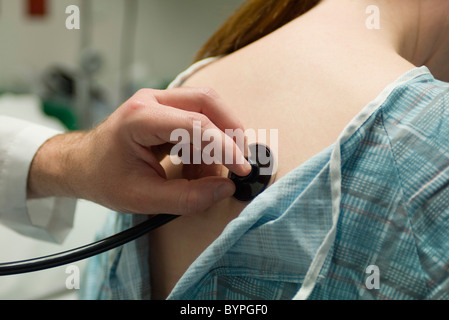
[(117, 164)]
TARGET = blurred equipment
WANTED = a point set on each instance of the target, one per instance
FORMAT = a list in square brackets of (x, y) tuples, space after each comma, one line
[(60, 96), (73, 96)]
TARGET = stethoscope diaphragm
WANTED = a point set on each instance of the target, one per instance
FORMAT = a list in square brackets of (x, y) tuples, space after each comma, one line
[(262, 163)]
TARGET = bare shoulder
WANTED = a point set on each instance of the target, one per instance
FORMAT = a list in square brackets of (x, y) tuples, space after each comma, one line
[(277, 84)]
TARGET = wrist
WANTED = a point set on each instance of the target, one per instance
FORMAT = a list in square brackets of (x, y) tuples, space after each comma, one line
[(53, 171)]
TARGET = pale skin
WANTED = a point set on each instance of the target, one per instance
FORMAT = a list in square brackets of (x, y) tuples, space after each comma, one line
[(117, 163), (307, 79)]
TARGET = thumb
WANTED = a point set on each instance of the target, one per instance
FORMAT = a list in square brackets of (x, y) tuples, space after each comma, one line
[(189, 197)]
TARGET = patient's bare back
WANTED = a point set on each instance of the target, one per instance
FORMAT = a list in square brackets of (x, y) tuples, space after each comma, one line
[(283, 82)]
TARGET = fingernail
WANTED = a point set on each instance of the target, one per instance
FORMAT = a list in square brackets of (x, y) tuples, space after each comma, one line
[(224, 191), (247, 167)]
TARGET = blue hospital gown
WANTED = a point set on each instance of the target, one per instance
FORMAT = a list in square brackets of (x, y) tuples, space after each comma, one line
[(377, 197)]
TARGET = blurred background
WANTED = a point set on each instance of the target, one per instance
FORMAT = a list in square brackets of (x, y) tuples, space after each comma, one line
[(71, 79)]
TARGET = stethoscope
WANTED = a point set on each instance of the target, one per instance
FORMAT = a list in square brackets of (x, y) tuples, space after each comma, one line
[(247, 188)]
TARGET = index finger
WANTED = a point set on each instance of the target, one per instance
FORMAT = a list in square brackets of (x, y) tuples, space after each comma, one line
[(200, 100), (182, 106)]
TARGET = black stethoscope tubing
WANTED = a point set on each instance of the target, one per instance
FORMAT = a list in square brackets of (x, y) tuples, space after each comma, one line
[(247, 188), (87, 251)]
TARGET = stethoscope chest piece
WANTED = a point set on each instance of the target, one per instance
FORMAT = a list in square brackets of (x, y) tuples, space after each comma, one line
[(262, 162), (247, 188)]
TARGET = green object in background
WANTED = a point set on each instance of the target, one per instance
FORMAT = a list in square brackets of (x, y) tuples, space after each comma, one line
[(60, 108), (63, 110)]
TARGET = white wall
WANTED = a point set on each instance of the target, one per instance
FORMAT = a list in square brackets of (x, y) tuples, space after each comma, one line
[(28, 46), (169, 32)]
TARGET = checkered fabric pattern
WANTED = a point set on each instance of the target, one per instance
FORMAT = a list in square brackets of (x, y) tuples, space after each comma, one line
[(377, 197)]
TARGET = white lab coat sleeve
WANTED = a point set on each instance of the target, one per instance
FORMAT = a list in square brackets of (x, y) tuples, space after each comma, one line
[(48, 219)]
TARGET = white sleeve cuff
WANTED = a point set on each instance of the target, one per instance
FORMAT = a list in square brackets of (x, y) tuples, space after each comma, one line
[(45, 219)]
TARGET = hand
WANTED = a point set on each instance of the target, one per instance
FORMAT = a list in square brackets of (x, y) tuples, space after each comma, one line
[(117, 164)]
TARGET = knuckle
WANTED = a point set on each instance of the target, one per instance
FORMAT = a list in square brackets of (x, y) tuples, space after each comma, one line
[(193, 117), (136, 102), (143, 95), (141, 100), (144, 92), (135, 105), (208, 94), (129, 113)]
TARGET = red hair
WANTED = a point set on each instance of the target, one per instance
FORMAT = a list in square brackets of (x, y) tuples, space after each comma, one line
[(254, 20)]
